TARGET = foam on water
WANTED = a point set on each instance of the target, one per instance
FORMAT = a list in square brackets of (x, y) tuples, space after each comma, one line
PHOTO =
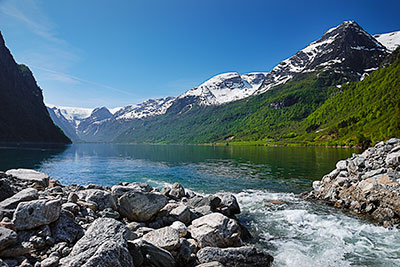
[(300, 233)]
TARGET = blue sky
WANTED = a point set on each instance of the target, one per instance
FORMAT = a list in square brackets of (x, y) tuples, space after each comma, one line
[(113, 53)]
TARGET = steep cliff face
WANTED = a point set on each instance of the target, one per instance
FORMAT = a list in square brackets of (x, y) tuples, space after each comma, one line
[(23, 115)]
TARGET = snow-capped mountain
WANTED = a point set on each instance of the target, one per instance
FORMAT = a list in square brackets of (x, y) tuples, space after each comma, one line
[(225, 88), (345, 48), (390, 40), (93, 125), (150, 107)]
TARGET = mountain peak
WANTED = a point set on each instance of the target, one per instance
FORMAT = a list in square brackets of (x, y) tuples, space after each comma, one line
[(344, 48)]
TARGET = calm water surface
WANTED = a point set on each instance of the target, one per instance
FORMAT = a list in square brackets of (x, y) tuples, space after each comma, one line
[(297, 233)]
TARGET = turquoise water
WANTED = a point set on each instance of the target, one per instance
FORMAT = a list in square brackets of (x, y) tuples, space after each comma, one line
[(297, 233)]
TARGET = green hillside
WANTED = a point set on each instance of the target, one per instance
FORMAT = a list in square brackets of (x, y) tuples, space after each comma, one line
[(310, 109)]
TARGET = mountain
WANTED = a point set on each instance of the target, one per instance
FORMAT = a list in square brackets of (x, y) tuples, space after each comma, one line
[(390, 40), (23, 115), (102, 124), (222, 88), (287, 95)]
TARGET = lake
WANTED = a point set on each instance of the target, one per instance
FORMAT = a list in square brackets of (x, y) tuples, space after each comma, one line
[(296, 232)]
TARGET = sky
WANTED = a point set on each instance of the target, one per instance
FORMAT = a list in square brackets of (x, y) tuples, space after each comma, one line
[(96, 53)]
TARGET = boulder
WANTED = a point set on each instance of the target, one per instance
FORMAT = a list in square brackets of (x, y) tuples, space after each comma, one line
[(180, 227), (6, 190), (166, 238), (30, 176), (211, 264), (211, 201), (177, 191), (66, 230), (138, 206), (181, 213), (229, 205), (50, 262), (35, 213), (102, 198), (152, 255), (216, 230), (242, 256), (119, 190), (7, 237), (104, 244), (342, 165), (24, 195), (393, 159)]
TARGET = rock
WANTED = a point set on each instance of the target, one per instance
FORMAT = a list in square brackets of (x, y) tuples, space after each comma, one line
[(177, 191), (342, 165), (393, 159), (184, 253), (13, 252), (180, 227), (154, 256), (216, 230), (211, 201), (182, 213), (316, 186), (50, 262), (138, 206), (7, 238), (6, 190), (66, 230), (31, 176), (229, 205), (393, 141), (102, 198), (35, 213), (104, 244), (73, 197), (119, 190), (24, 195), (373, 173), (243, 256), (166, 238), (71, 207), (210, 264)]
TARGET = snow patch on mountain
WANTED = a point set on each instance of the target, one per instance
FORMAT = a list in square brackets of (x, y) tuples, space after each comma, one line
[(390, 40), (71, 113), (226, 87), (150, 107)]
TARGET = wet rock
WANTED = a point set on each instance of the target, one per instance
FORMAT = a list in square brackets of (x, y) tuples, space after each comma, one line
[(243, 256), (154, 256), (7, 237), (102, 198), (104, 244), (31, 176), (228, 205), (35, 213), (138, 206), (166, 238), (216, 230)]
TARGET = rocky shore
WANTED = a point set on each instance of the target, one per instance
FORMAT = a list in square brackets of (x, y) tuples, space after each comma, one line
[(44, 223), (366, 184)]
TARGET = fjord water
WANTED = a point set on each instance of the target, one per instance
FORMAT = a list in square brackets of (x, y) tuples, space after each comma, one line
[(294, 231)]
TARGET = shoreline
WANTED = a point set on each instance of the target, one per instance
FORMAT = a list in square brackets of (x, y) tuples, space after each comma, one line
[(44, 223)]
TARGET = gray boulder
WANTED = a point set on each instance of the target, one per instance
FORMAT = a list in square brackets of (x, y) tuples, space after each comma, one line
[(35, 213), (7, 237), (229, 205), (50, 262), (216, 230), (119, 190), (102, 198), (6, 190), (104, 244), (24, 195), (181, 213), (177, 191), (30, 176), (66, 230), (152, 255), (211, 264), (238, 257), (166, 238), (393, 159), (138, 206)]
